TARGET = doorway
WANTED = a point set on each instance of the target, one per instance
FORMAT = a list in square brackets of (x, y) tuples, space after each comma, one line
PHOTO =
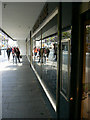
[(85, 102)]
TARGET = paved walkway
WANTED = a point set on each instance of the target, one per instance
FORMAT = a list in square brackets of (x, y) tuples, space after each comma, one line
[(22, 96)]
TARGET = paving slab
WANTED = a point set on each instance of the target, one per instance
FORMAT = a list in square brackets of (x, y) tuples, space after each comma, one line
[(21, 93)]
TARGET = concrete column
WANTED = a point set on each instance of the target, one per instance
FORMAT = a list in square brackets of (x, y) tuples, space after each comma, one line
[(22, 46), (58, 61)]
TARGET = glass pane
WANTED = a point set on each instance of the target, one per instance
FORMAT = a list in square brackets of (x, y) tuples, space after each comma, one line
[(64, 66), (49, 64), (28, 49), (45, 62), (36, 56), (65, 62), (33, 54)]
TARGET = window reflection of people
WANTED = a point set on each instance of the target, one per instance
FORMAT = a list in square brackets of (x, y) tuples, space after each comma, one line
[(35, 51), (45, 54), (48, 51), (41, 52), (55, 51)]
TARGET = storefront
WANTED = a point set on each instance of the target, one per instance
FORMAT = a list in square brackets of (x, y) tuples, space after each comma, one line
[(55, 54)]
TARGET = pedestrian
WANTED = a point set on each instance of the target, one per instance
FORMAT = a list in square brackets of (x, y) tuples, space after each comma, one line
[(8, 53), (13, 53), (18, 54)]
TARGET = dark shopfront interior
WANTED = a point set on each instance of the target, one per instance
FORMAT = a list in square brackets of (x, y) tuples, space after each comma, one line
[(59, 53)]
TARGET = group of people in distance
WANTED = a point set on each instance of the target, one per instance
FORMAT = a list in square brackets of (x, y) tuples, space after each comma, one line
[(15, 53), (44, 53), (41, 53)]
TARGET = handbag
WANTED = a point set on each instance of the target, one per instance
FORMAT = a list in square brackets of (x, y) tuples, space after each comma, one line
[(20, 56)]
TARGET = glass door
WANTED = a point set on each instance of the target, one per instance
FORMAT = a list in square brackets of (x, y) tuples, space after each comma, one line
[(65, 67), (85, 104)]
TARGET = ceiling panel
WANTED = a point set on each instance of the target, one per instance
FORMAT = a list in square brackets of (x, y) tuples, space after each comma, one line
[(18, 18)]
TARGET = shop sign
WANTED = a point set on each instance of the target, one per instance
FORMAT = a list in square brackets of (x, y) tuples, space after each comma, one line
[(41, 18)]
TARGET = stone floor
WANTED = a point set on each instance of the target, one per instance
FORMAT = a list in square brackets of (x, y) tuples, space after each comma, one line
[(22, 95)]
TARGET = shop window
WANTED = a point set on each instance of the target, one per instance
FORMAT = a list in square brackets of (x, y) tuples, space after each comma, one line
[(37, 56), (45, 61), (49, 63)]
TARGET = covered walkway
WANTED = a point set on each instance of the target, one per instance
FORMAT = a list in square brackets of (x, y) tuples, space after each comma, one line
[(22, 95)]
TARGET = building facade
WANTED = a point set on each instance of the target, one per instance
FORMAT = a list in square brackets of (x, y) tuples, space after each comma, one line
[(58, 49)]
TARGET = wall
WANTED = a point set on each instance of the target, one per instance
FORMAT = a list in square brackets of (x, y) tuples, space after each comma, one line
[(0, 14), (0, 24), (22, 46), (0, 65)]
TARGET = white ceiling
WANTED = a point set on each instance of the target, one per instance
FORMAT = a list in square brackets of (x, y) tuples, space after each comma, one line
[(18, 18)]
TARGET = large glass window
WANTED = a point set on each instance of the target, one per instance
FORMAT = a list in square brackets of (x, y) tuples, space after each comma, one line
[(36, 55), (33, 49), (45, 55), (49, 63), (28, 49), (45, 61)]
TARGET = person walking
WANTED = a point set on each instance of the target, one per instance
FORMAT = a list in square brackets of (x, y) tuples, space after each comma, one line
[(18, 54), (13, 53), (8, 53)]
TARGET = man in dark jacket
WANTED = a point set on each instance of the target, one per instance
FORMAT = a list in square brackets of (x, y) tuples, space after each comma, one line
[(18, 54), (8, 53)]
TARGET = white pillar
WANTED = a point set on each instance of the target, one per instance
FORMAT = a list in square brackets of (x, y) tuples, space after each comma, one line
[(22, 46)]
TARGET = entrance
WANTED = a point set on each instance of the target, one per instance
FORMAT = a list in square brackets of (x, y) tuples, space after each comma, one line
[(85, 103), (65, 60)]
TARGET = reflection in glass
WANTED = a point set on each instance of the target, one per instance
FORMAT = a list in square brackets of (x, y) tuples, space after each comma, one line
[(37, 56), (65, 62), (49, 66), (28, 49), (45, 62), (64, 66)]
